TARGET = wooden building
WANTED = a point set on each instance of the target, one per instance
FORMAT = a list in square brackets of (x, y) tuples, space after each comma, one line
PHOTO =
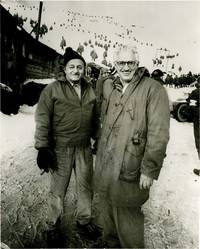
[(22, 56)]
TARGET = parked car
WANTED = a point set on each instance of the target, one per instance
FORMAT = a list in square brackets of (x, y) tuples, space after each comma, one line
[(10, 100), (31, 92), (178, 104)]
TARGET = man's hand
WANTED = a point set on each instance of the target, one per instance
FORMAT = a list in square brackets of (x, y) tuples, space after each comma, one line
[(145, 181), (46, 159)]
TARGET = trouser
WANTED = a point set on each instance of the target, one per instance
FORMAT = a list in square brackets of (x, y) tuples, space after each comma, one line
[(122, 226), (196, 123), (68, 158)]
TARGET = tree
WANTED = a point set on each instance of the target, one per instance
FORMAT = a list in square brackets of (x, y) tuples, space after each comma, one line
[(104, 62), (85, 43), (106, 47), (20, 20), (43, 29), (80, 49), (93, 55), (105, 54), (34, 25), (63, 43)]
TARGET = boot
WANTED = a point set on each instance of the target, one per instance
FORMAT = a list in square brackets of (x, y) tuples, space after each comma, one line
[(55, 237), (90, 230)]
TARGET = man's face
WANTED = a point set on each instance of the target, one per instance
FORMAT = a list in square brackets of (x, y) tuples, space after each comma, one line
[(74, 70), (105, 73), (126, 65)]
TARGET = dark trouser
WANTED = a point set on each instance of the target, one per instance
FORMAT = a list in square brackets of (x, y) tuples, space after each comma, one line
[(196, 125), (122, 226)]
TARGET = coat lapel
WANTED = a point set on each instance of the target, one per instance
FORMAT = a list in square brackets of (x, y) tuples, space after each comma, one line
[(121, 102)]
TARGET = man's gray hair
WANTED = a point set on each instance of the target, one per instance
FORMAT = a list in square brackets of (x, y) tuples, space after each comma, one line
[(131, 49)]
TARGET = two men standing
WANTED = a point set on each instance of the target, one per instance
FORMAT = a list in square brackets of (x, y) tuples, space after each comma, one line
[(131, 149)]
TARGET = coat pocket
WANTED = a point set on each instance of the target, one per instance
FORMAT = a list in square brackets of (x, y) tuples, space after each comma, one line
[(136, 145), (133, 155), (127, 194)]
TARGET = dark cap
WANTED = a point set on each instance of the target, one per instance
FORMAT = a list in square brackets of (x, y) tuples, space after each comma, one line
[(157, 73), (113, 71), (70, 54)]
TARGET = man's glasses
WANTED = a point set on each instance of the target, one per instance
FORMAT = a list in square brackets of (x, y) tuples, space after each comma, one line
[(130, 64)]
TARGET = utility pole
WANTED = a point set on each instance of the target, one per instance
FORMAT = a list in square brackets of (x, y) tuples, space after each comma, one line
[(39, 20)]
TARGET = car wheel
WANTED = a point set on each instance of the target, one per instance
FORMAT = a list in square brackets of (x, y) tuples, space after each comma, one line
[(180, 112)]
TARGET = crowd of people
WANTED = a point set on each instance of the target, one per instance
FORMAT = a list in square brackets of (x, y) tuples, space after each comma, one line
[(181, 81), (123, 120)]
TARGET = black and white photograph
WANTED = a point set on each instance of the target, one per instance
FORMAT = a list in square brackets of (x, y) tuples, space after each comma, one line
[(100, 124)]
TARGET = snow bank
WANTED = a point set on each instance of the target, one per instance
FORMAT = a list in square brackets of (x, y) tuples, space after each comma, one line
[(17, 130), (178, 93), (41, 81), (174, 205)]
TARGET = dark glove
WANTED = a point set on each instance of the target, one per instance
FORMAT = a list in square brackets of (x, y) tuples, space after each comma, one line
[(46, 159)]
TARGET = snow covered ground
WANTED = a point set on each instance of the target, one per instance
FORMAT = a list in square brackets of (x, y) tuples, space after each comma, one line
[(172, 212), (17, 130)]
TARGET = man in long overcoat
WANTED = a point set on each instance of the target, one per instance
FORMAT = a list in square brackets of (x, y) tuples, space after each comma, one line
[(134, 137)]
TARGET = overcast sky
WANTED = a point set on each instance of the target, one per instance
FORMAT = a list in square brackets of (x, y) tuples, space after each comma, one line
[(174, 25)]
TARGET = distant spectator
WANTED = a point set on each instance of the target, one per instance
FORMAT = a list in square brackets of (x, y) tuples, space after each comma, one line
[(104, 73), (169, 80), (193, 99), (157, 74), (104, 85), (176, 82), (93, 73)]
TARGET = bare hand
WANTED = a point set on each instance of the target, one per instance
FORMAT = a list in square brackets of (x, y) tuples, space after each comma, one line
[(145, 181)]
